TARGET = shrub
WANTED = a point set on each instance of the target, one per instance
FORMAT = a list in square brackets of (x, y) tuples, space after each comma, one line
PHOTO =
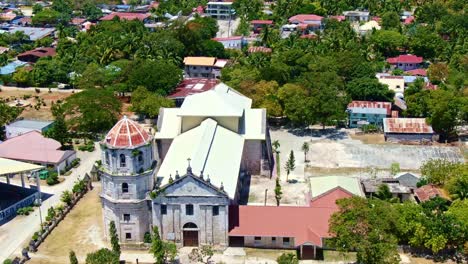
[(370, 128), (8, 261), (50, 214), (147, 238), (66, 197), (287, 259), (79, 187), (35, 237), (24, 210), (52, 179)]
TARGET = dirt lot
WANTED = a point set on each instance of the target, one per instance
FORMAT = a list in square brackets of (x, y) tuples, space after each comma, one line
[(30, 112), (81, 231), (337, 150), (293, 193)]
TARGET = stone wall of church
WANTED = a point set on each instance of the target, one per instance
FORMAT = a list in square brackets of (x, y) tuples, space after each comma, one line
[(127, 161), (213, 229), (132, 220), (252, 156), (136, 186)]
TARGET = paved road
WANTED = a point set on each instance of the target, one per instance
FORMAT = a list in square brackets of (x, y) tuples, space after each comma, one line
[(33, 89), (15, 234)]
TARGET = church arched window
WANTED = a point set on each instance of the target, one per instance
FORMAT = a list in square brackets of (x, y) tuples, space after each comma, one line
[(123, 162), (124, 187), (140, 157)]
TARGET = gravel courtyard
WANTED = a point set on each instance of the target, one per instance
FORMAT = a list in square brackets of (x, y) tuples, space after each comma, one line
[(335, 149)]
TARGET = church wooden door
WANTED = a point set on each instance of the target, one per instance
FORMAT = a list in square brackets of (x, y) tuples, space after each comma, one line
[(190, 238)]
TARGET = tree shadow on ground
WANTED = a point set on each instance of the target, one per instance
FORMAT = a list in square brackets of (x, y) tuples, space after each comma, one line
[(327, 133)]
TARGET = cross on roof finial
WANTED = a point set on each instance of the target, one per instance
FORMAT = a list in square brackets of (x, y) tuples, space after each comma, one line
[(189, 169)]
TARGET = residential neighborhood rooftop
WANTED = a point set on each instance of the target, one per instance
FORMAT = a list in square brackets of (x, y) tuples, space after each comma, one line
[(408, 58), (200, 61), (126, 16), (33, 124), (371, 104), (323, 184), (191, 86)]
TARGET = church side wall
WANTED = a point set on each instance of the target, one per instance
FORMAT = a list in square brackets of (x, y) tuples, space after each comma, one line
[(251, 156)]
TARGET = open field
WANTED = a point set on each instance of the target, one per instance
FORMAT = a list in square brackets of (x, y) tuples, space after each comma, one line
[(81, 231), (337, 151), (30, 112)]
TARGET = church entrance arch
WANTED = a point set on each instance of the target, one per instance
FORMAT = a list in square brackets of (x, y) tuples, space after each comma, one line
[(190, 235)]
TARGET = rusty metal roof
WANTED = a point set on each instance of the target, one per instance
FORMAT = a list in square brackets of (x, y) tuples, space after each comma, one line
[(407, 126)]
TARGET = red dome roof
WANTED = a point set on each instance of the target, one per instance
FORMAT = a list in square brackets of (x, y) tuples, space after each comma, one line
[(126, 133)]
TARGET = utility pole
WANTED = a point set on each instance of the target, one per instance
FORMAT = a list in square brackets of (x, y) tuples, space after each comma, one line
[(266, 191)]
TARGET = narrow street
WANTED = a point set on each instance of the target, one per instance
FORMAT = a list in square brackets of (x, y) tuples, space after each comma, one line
[(15, 234)]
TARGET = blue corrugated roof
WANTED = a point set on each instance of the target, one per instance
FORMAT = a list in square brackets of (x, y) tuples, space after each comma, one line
[(11, 67)]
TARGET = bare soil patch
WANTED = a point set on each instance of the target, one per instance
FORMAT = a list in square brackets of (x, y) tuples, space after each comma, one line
[(44, 112), (80, 231), (293, 193)]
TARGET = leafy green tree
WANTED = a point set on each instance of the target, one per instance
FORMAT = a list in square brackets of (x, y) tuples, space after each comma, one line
[(290, 165), (91, 11), (296, 104), (365, 226), (457, 185), (83, 115), (390, 20), (147, 103), (438, 73), (445, 112), (247, 9), (157, 246), (46, 17), (287, 258), (114, 238), (369, 89), (21, 77), (64, 8), (387, 42), (426, 43), (438, 171), (157, 76), (395, 168), (278, 192), (102, 256), (37, 8), (72, 257), (383, 193), (49, 70), (59, 130), (211, 48)]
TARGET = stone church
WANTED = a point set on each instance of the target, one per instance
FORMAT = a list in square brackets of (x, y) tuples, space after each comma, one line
[(186, 183)]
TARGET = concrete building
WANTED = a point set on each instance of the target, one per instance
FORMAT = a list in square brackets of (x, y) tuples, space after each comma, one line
[(408, 129), (394, 83), (368, 112), (356, 16), (34, 33), (203, 67), (405, 62), (220, 10), (24, 126), (258, 25), (127, 177), (234, 42), (308, 23)]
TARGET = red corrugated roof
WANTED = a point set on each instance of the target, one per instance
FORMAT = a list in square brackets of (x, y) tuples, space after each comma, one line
[(409, 20), (126, 133), (193, 86), (408, 58), (126, 16), (370, 104), (303, 18), (39, 52), (262, 22), (407, 125), (259, 49), (339, 18), (417, 72), (304, 224), (33, 146), (427, 192)]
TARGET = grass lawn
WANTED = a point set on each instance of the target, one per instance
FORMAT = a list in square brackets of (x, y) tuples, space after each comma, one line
[(81, 231), (330, 255)]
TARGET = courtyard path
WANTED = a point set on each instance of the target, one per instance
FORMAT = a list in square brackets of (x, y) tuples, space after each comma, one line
[(15, 234)]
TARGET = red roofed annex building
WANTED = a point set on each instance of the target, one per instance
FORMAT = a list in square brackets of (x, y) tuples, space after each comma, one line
[(33, 147), (191, 86), (288, 227), (406, 62), (127, 176)]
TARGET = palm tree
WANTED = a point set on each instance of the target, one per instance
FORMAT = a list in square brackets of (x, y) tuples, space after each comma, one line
[(275, 146), (305, 149)]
